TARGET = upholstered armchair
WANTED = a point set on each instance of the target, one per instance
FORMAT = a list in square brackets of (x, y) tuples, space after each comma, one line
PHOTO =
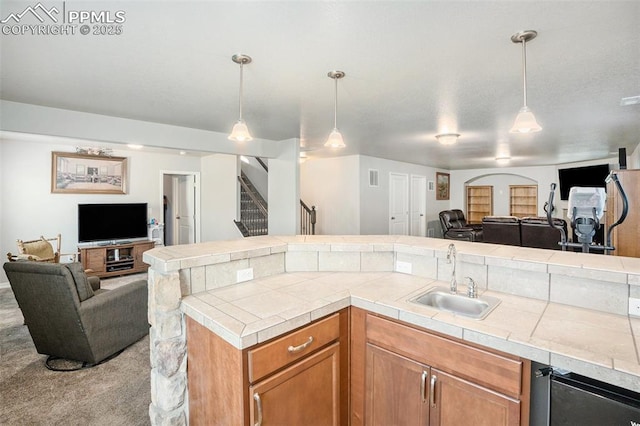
[(455, 227), (69, 318)]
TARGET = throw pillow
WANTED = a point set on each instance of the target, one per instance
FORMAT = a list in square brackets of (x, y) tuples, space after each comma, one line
[(82, 284)]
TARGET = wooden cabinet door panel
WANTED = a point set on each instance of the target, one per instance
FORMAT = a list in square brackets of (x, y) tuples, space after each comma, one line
[(459, 402), (396, 389), (307, 393), (94, 260)]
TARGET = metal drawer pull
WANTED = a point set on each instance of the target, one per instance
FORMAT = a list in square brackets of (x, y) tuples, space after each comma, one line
[(305, 345), (256, 397), (432, 391), (423, 386)]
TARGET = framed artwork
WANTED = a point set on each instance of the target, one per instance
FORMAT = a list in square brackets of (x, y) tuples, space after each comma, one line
[(73, 173), (442, 186)]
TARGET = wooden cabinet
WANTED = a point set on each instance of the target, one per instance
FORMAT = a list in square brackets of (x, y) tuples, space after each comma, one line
[(625, 236), (523, 200), (117, 259), (298, 378), (479, 203), (443, 379), (396, 389)]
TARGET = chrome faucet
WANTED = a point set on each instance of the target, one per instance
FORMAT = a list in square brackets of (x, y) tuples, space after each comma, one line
[(472, 288), (451, 258)]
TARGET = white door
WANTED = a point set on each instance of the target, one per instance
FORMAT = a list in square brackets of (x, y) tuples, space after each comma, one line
[(398, 204), (184, 195), (418, 202)]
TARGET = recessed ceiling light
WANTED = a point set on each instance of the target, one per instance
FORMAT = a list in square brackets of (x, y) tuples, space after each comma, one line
[(632, 100), (183, 152), (135, 146), (448, 138)]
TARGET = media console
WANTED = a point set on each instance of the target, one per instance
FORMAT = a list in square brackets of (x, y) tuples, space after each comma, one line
[(115, 259)]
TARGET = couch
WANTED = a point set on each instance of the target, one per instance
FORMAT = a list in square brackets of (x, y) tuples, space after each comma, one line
[(526, 232)]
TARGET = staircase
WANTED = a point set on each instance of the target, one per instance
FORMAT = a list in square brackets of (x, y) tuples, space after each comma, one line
[(253, 210), (254, 217)]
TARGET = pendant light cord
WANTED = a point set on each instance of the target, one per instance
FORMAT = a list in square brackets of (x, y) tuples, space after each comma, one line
[(335, 105), (241, 91), (524, 70)]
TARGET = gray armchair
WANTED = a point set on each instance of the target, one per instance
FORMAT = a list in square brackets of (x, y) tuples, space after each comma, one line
[(69, 318)]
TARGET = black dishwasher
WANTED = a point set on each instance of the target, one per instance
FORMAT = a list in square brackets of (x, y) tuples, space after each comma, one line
[(579, 400)]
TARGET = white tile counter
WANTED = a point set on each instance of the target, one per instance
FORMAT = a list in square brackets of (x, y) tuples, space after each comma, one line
[(565, 309)]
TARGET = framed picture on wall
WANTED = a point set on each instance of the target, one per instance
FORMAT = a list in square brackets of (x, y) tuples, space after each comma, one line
[(73, 173), (442, 186)]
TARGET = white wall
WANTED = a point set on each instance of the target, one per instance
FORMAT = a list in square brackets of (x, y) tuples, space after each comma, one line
[(284, 189), (374, 201), (333, 186), (633, 161), (29, 209), (219, 197)]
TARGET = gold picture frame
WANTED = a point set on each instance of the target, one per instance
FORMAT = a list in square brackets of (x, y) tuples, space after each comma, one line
[(442, 186), (73, 173)]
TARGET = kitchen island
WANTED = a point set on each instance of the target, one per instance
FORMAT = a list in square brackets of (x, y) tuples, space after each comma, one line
[(563, 309)]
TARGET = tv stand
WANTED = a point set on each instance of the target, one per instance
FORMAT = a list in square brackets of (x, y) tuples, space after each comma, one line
[(115, 259)]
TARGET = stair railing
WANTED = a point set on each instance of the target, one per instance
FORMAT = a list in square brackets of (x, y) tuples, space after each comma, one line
[(307, 219), (255, 218)]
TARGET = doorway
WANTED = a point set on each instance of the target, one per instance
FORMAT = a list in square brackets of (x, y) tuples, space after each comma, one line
[(398, 204), (180, 199), (418, 201)]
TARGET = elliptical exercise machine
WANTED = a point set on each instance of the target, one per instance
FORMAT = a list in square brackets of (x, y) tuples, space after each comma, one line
[(586, 208)]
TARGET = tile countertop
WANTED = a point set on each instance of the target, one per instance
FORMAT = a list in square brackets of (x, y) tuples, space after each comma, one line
[(596, 344)]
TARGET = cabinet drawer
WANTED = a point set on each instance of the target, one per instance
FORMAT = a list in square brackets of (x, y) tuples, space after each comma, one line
[(494, 371), (274, 355)]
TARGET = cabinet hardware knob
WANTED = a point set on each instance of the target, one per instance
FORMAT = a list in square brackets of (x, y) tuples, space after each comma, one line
[(256, 397), (305, 345), (432, 391)]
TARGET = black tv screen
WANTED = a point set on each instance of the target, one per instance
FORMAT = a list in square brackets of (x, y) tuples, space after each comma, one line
[(588, 176), (107, 222)]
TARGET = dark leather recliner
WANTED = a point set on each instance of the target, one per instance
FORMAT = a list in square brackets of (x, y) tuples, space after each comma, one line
[(536, 232), (501, 230), (455, 227), (68, 319)]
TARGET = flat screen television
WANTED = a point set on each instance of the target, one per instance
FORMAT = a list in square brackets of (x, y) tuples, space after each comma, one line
[(109, 222), (589, 176)]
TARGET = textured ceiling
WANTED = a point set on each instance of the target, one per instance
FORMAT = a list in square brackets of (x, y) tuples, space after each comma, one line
[(413, 70)]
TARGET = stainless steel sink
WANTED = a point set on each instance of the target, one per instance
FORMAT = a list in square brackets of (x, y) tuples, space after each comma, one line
[(441, 298)]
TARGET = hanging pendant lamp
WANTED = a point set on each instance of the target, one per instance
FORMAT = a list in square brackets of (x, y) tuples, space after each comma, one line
[(335, 137), (525, 120), (240, 132)]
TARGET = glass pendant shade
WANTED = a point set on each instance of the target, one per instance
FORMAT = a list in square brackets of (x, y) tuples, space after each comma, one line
[(335, 139), (448, 138), (240, 132), (525, 122)]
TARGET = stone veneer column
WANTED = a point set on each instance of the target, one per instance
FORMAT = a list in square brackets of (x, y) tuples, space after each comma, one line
[(167, 339)]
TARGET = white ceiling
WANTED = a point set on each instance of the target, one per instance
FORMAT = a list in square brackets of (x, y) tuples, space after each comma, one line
[(413, 70)]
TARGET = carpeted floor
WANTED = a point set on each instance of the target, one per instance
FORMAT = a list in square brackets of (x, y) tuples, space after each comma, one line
[(114, 393)]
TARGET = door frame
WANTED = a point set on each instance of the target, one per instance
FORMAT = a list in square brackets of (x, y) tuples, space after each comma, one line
[(196, 201)]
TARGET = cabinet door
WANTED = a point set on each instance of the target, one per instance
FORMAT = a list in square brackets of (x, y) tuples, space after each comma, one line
[(459, 402), (307, 393), (396, 389), (94, 259), (138, 250)]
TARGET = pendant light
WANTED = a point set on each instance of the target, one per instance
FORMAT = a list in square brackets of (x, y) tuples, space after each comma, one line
[(240, 132), (525, 120), (335, 137)]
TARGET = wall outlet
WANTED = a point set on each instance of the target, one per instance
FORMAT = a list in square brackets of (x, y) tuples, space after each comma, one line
[(634, 306), (404, 267), (244, 275)]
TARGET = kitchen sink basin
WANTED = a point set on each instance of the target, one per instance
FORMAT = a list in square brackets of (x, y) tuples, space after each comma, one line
[(441, 298)]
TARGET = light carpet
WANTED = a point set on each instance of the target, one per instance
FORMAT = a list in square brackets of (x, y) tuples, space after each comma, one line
[(117, 392)]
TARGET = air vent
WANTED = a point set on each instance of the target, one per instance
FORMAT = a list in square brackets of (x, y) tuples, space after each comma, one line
[(373, 177)]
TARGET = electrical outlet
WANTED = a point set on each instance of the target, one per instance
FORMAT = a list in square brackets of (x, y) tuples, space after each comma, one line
[(634, 306), (404, 267), (244, 275)]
